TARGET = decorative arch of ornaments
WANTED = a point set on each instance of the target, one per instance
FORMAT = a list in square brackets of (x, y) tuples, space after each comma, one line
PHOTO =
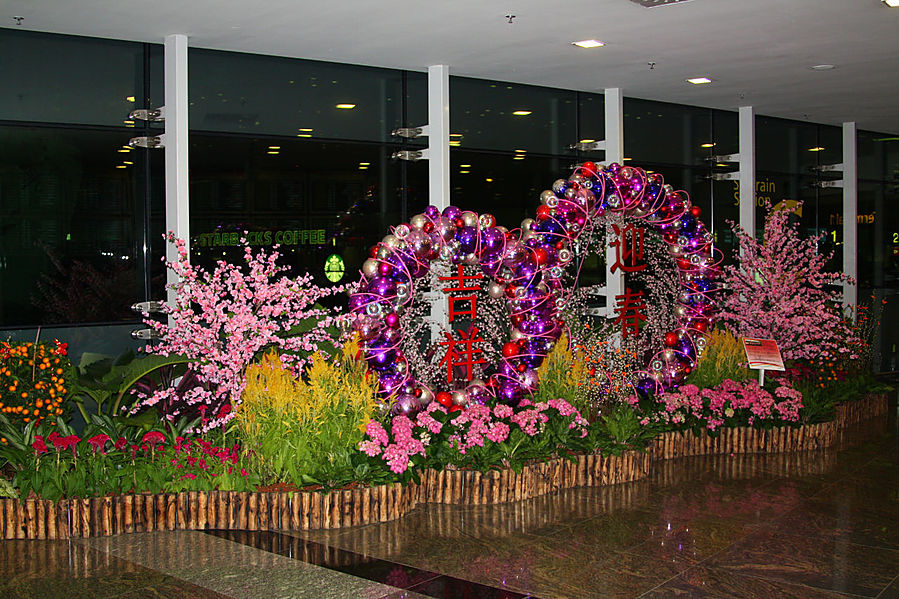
[(526, 266)]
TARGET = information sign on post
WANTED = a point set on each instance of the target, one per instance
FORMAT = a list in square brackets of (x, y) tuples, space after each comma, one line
[(763, 354)]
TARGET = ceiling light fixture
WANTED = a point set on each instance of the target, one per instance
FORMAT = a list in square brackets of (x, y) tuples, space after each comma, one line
[(589, 44), (816, 149), (823, 67), (522, 112), (129, 99), (464, 166), (464, 172), (891, 3), (274, 147), (365, 164), (587, 141), (345, 106), (707, 145), (304, 135), (699, 80), (305, 130)]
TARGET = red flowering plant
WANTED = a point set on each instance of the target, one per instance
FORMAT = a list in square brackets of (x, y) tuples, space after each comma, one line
[(224, 319), (60, 463)]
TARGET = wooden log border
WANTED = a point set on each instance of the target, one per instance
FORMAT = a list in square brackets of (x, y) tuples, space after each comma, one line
[(105, 516)]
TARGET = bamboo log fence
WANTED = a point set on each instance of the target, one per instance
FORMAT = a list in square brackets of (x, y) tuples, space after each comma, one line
[(229, 510)]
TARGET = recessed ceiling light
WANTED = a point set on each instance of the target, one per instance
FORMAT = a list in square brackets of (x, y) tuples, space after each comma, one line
[(121, 166), (722, 164), (127, 162), (274, 147), (304, 135), (363, 168), (455, 144), (129, 99), (891, 3), (464, 166), (455, 135), (815, 149), (587, 141), (345, 106), (588, 44), (488, 180), (699, 80), (522, 112), (365, 164), (626, 159), (305, 130), (464, 172), (123, 150), (521, 151), (273, 152), (707, 145), (823, 67), (519, 157)]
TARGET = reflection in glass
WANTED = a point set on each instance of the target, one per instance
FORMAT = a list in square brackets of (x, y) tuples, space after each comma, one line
[(69, 227)]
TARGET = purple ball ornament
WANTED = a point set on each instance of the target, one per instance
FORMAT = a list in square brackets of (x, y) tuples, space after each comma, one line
[(432, 212), (452, 213), (468, 239), (382, 287), (510, 392), (405, 404)]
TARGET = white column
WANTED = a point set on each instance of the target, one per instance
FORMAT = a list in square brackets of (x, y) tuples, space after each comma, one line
[(438, 175), (438, 136), (850, 211), (747, 169), (177, 204), (614, 121)]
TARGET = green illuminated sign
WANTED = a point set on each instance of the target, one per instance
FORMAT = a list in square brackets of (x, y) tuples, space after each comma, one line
[(334, 268)]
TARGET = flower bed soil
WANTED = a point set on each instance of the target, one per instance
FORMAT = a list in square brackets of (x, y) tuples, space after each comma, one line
[(287, 509)]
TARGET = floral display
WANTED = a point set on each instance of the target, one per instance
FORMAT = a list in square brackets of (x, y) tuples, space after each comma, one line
[(730, 402), (780, 290), (253, 385), (477, 436), (222, 320)]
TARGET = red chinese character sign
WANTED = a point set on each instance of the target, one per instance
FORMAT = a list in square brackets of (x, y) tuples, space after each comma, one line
[(526, 266)]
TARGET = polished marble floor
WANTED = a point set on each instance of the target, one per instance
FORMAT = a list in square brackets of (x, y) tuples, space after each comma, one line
[(803, 525)]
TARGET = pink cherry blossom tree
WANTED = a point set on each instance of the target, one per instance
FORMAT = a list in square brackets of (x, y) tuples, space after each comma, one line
[(779, 290), (223, 319)]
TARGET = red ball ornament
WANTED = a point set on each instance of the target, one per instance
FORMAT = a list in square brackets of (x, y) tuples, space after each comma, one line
[(445, 399), (696, 211), (511, 349), (560, 245), (429, 226), (459, 223), (418, 392), (517, 318), (590, 167), (671, 339), (701, 326), (455, 408), (541, 256), (510, 290), (543, 212), (392, 320), (522, 368), (373, 250)]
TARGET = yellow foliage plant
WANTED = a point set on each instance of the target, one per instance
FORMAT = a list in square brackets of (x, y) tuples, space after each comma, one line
[(561, 373), (723, 358), (305, 431)]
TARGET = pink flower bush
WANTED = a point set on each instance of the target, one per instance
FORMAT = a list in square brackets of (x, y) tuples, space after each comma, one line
[(221, 320), (728, 402), (474, 427), (779, 290)]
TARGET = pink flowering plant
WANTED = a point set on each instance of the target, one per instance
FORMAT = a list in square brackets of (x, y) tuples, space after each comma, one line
[(481, 437), (728, 404), (779, 289), (223, 320)]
